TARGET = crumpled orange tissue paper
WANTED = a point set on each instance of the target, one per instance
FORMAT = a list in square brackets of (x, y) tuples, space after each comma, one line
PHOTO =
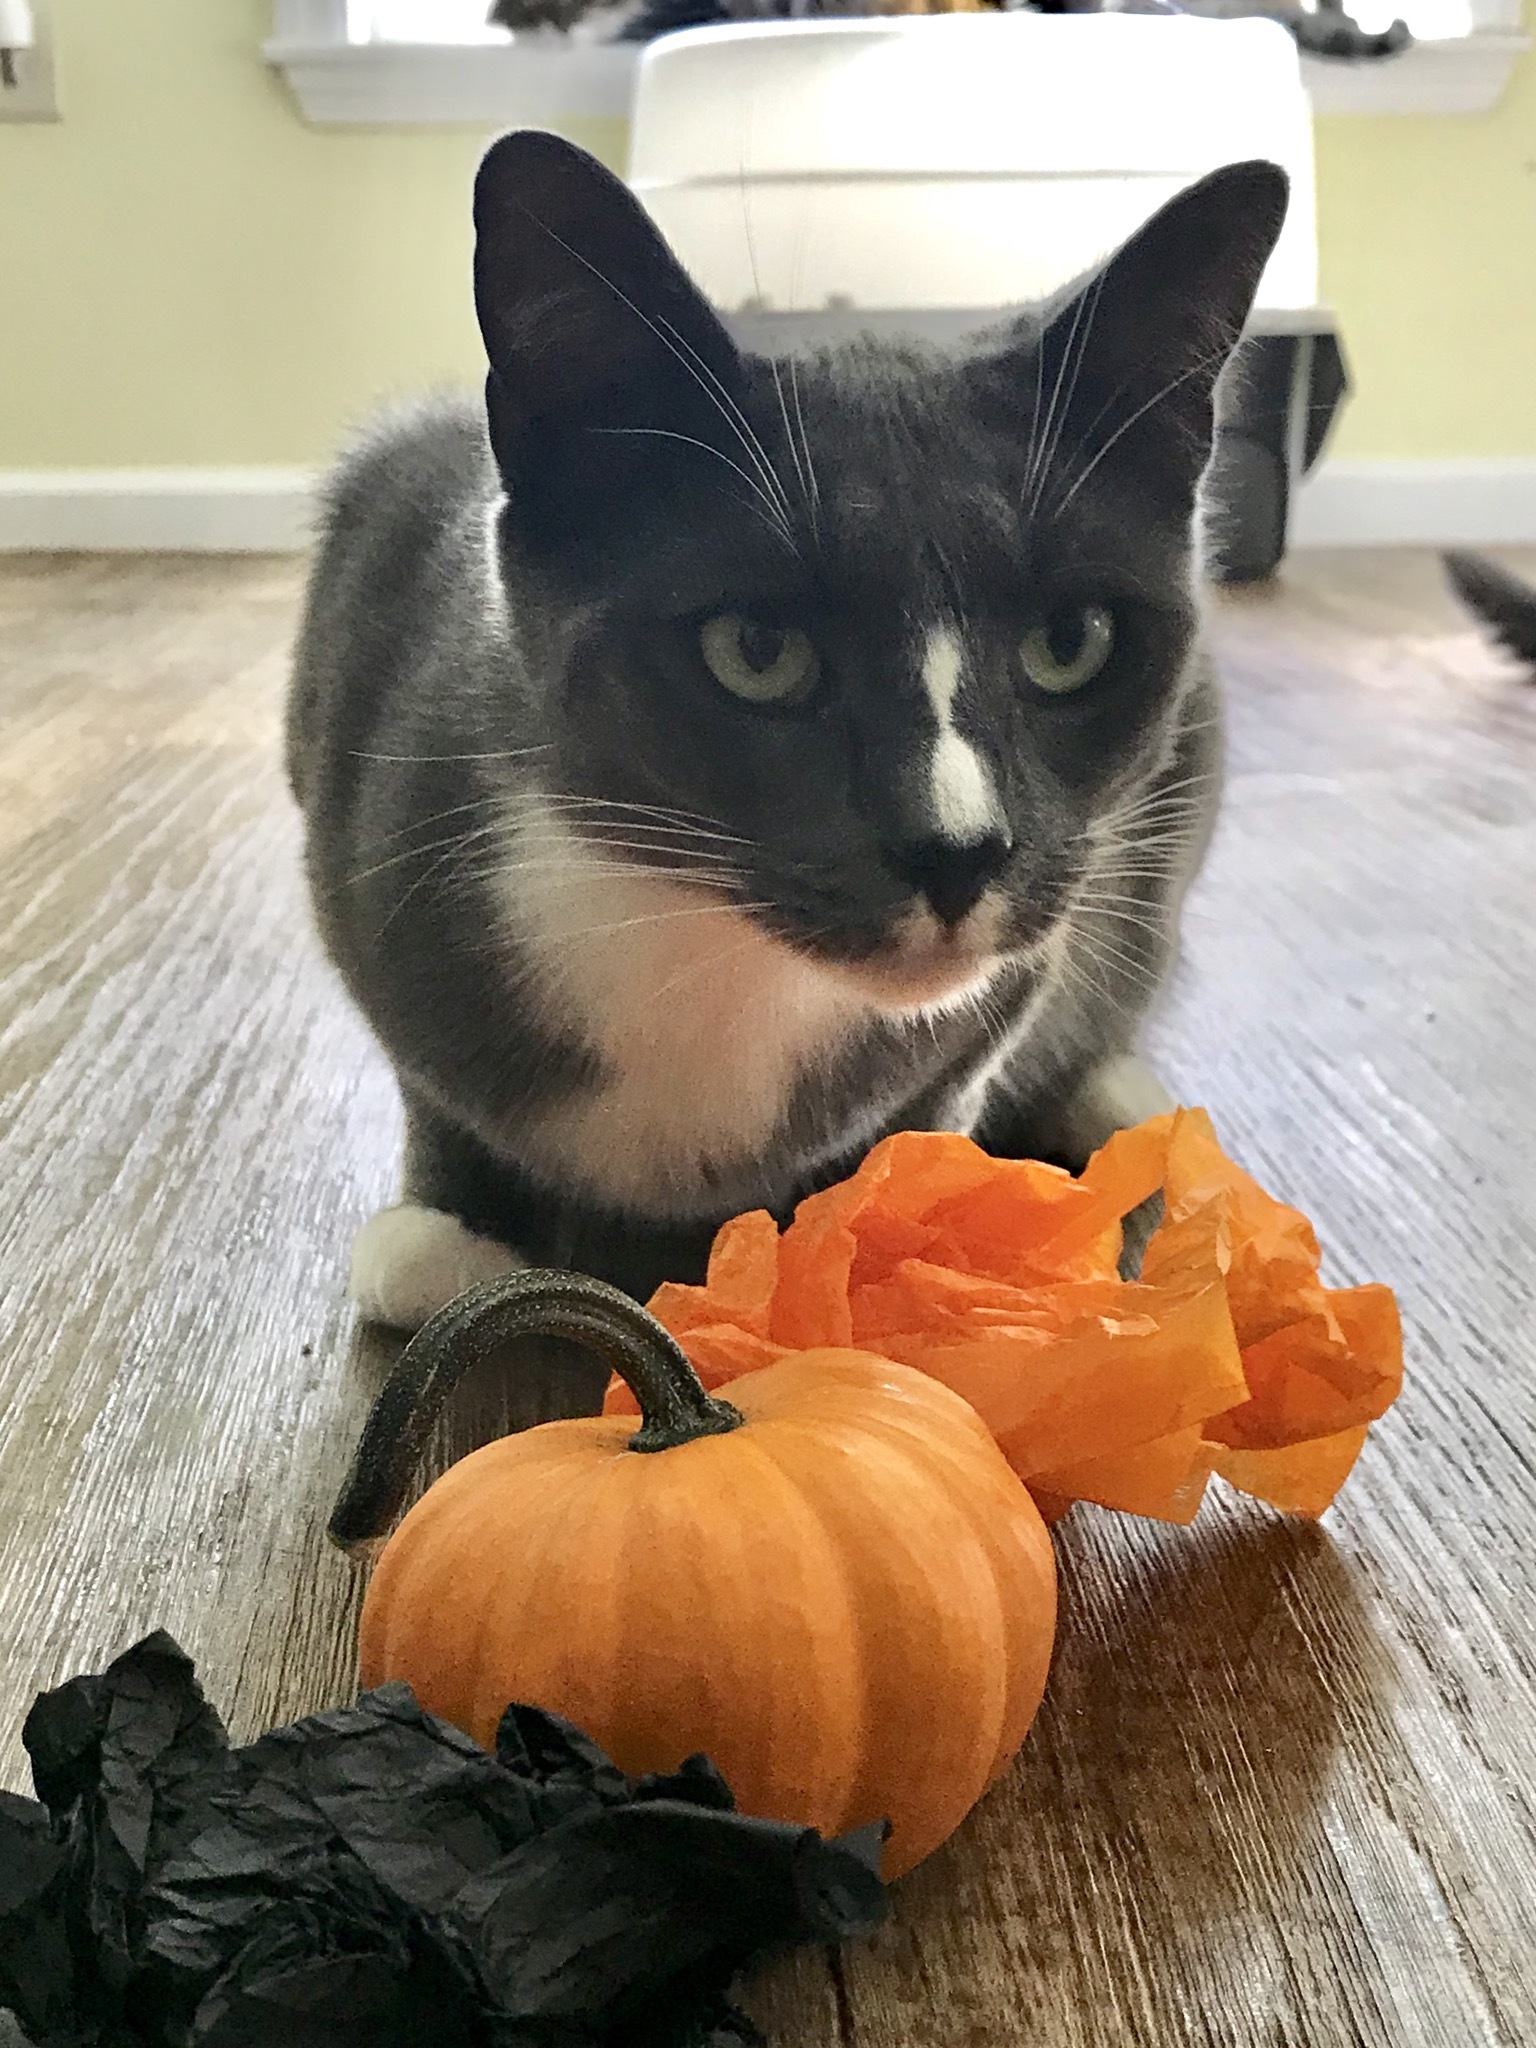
[(1000, 1278)]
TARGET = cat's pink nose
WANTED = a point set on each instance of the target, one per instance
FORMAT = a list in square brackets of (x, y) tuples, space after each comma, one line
[(951, 874)]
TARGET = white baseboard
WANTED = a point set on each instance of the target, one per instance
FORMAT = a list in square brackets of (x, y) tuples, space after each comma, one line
[(1485, 503), (1474, 502), (197, 511)]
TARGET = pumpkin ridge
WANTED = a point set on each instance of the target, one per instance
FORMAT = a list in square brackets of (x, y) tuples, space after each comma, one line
[(944, 1676), (412, 1585), (553, 1580), (1013, 1536), (762, 1624), (839, 1381), (545, 1528)]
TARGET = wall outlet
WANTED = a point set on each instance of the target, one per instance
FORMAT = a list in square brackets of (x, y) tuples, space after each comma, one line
[(35, 95)]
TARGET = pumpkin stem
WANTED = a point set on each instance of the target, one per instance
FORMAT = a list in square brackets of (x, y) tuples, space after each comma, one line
[(674, 1406)]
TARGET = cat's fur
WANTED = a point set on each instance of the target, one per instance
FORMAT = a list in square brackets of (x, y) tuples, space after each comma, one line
[(645, 955), (1503, 602)]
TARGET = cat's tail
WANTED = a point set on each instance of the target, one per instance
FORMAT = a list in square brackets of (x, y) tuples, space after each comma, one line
[(1499, 600)]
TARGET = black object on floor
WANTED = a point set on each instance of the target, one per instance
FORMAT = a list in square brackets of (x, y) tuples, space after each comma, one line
[(1276, 404), (1501, 601), (371, 1878)]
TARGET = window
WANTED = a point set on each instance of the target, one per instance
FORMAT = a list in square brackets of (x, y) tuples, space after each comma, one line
[(421, 21), (1463, 53), (437, 61), (433, 61), (1430, 20)]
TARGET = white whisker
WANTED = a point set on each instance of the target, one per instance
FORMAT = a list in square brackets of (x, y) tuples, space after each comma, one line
[(773, 361), (1109, 953), (805, 443), (451, 840), (744, 427), (1037, 467), (478, 803), (613, 870), (682, 349), (493, 754), (607, 840), (460, 846), (624, 924), (1090, 299), (1131, 807), (707, 827), (772, 517), (1113, 911), (1196, 369)]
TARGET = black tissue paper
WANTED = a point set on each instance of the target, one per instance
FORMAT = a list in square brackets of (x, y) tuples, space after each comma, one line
[(370, 1878)]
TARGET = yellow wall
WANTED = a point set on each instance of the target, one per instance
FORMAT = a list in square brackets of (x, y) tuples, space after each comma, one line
[(190, 275), (1427, 235)]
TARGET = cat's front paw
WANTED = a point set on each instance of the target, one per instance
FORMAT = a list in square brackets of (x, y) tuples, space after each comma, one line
[(410, 1261), (1121, 1091)]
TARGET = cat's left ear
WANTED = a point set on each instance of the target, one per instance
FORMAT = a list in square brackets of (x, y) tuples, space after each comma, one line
[(1130, 361), (589, 320)]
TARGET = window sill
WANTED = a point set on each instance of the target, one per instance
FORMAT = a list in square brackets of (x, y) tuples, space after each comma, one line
[(1457, 75), (540, 80), (535, 81)]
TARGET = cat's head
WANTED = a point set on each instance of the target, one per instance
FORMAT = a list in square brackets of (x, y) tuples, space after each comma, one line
[(897, 628)]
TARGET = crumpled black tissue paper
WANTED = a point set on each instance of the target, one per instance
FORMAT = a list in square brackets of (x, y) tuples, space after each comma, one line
[(370, 1878)]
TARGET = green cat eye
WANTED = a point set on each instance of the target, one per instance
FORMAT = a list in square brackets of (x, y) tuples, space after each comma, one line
[(1068, 649), (760, 664)]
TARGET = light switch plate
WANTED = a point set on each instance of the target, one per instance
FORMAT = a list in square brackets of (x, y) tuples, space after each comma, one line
[(35, 95)]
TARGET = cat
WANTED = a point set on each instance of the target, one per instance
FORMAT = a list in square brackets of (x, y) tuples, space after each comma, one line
[(1323, 29), (1503, 603), (710, 764)]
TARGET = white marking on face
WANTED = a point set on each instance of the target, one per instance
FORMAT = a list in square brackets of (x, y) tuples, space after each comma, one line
[(943, 663), (964, 801), (965, 805)]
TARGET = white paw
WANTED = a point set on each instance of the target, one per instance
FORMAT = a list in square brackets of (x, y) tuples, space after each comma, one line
[(1122, 1091), (1127, 1090), (409, 1262)]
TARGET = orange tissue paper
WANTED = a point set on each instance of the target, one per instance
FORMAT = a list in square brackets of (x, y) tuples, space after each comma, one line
[(1000, 1277)]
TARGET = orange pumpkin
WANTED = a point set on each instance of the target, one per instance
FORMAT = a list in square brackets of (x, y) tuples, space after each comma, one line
[(834, 1585)]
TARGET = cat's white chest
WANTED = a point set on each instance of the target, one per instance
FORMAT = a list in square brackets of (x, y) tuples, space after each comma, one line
[(702, 1024)]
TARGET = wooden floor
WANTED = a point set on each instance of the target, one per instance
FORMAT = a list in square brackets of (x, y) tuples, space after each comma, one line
[(1281, 1790)]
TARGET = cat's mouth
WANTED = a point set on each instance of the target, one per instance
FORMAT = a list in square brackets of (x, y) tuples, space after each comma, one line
[(923, 961)]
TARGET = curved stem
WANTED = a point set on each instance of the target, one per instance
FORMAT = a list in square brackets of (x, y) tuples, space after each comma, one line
[(674, 1406)]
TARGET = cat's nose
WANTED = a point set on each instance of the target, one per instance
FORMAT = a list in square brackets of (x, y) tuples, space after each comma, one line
[(952, 874)]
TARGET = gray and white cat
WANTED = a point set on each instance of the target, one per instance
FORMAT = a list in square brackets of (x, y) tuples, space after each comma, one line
[(712, 764)]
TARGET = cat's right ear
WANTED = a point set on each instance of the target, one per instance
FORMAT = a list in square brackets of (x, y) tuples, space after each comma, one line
[(1128, 361), (589, 320)]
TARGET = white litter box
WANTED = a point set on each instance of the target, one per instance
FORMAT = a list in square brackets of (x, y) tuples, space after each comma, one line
[(954, 160)]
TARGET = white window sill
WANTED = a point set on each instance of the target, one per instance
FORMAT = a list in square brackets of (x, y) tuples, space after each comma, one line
[(1454, 75), (533, 81), (544, 79)]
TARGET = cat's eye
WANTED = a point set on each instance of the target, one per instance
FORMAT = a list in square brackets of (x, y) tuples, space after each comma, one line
[(1068, 649), (758, 663)]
